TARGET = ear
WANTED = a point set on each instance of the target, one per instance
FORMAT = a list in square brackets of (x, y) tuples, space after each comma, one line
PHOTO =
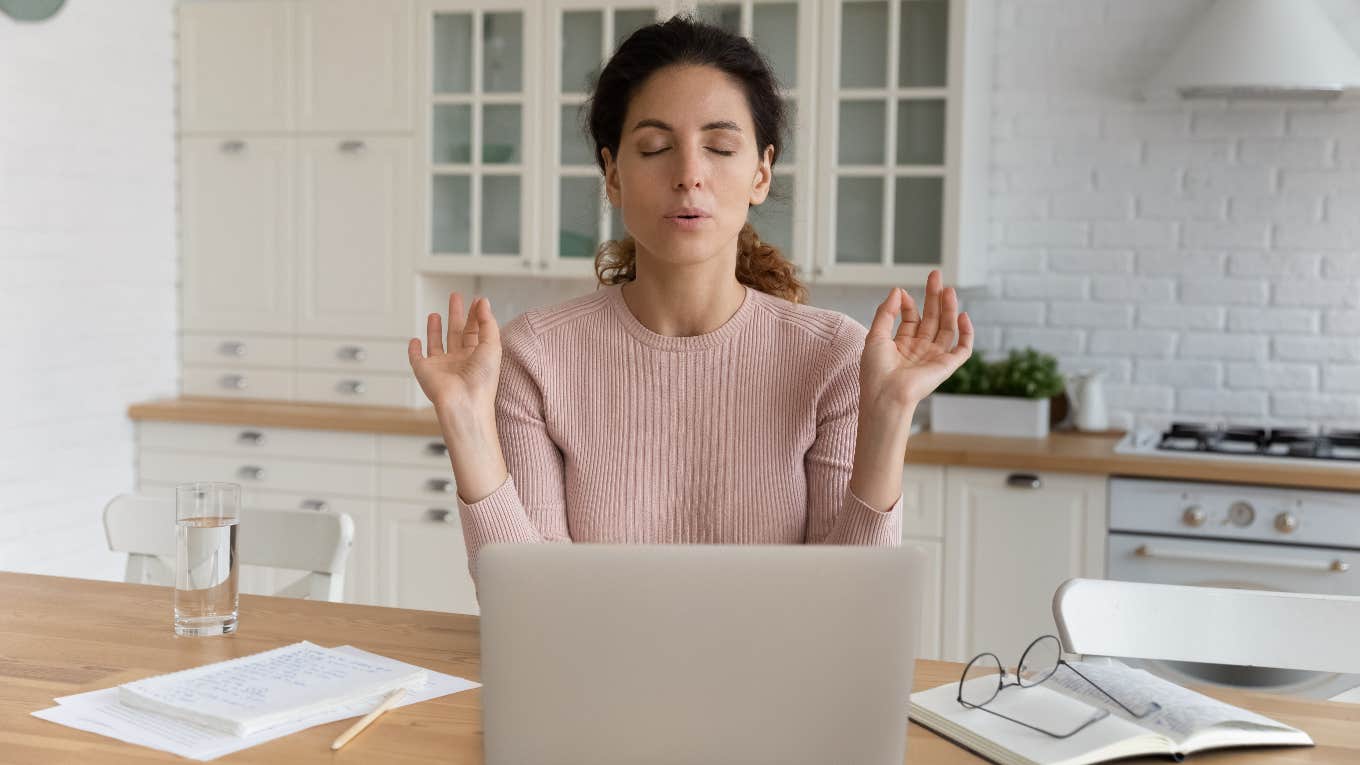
[(764, 176), (611, 178)]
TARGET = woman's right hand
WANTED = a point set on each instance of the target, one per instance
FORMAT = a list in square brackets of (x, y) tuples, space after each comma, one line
[(460, 376)]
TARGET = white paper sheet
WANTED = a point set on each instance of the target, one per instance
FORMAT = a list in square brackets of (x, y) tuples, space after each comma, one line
[(100, 712)]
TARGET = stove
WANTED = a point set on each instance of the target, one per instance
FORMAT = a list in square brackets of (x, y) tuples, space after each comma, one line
[(1336, 448)]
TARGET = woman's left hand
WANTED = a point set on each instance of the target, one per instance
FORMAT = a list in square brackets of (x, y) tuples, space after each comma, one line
[(898, 370)]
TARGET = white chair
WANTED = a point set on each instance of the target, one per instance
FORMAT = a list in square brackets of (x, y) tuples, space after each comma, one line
[(1138, 620), (305, 540)]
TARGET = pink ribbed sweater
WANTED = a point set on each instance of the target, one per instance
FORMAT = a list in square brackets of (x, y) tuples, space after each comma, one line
[(614, 433)]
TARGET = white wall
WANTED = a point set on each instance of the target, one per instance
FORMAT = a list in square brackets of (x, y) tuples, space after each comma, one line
[(87, 269), (1205, 254)]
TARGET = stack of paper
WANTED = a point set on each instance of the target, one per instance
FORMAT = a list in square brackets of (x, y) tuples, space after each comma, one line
[(291, 670)]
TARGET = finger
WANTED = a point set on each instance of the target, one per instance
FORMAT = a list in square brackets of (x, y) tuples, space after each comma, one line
[(489, 331), (949, 319), (883, 318), (455, 319), (472, 327), (965, 347), (910, 319), (413, 353), (930, 317), (434, 335)]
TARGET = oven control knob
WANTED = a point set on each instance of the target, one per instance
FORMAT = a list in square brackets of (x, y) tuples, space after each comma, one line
[(1241, 514), (1286, 522), (1193, 516)]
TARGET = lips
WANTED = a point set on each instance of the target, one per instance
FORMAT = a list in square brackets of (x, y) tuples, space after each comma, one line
[(688, 213)]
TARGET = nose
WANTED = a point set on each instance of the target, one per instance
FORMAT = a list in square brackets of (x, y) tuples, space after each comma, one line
[(689, 169)]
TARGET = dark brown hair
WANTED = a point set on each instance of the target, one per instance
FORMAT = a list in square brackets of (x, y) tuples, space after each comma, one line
[(679, 41)]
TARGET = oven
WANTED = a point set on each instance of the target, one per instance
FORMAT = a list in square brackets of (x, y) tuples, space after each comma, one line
[(1230, 535)]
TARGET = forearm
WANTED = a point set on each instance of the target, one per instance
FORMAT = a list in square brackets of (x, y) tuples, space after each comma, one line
[(880, 447), (475, 453)]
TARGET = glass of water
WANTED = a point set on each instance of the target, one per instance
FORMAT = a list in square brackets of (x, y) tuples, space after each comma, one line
[(206, 518)]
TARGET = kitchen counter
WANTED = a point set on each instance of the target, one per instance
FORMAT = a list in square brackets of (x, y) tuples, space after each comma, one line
[(1060, 452)]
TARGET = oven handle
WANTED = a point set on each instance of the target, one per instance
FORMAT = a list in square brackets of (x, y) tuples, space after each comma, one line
[(1337, 566)]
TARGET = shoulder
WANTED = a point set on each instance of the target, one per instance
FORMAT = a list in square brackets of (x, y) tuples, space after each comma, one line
[(535, 326), (838, 337)]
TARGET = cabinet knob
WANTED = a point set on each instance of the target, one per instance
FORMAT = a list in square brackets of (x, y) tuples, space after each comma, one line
[(543, 265), (816, 270), (352, 147), (1286, 522), (352, 353), (250, 438), (232, 382), (438, 514), (1024, 481), (527, 265), (352, 387), (1194, 516), (251, 472), (436, 449), (319, 505), (234, 146), (232, 348), (440, 486)]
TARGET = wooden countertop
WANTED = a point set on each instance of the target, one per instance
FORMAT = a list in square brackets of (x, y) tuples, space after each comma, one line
[(62, 636), (1060, 452)]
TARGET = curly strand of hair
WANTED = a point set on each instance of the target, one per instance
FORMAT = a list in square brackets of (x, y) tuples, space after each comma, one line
[(760, 265)]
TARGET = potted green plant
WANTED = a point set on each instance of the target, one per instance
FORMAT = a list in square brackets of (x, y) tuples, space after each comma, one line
[(1008, 397)]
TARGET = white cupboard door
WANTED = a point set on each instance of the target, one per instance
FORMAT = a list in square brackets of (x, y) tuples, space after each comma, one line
[(1010, 539), (354, 270), (354, 65), (422, 561), (928, 640), (236, 208), (235, 66)]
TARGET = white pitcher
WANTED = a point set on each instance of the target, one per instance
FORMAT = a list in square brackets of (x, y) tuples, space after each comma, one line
[(1086, 394)]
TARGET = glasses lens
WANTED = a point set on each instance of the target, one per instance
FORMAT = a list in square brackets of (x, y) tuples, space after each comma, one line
[(1039, 662), (981, 680)]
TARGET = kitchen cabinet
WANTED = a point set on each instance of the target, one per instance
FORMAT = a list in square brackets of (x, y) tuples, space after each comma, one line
[(236, 68), (1009, 540), (923, 529), (354, 65)]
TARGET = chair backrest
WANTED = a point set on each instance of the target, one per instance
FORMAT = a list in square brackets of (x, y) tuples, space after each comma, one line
[(305, 540), (1138, 620)]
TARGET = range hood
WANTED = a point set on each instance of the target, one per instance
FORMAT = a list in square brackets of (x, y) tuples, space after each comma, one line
[(1260, 49)]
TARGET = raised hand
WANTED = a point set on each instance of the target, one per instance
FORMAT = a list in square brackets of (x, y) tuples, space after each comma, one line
[(898, 370), (460, 379)]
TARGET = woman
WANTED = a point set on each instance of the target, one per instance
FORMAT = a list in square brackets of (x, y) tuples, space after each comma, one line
[(692, 398)]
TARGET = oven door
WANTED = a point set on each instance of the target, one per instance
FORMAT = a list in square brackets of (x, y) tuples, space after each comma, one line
[(1214, 563)]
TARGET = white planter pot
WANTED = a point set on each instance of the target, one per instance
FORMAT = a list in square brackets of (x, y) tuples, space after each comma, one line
[(989, 415)]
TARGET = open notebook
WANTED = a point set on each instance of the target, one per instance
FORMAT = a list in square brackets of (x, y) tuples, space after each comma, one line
[(1187, 721), (248, 694)]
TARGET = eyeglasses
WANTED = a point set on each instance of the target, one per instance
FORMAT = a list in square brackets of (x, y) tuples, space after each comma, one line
[(1038, 663)]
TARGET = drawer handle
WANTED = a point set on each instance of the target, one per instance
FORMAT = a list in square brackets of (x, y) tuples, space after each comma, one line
[(234, 146), (352, 353), (352, 387), (1336, 566), (319, 505), (250, 438), (233, 382), (252, 472), (436, 449), (440, 485), (352, 147), (1024, 481), (232, 348), (437, 515)]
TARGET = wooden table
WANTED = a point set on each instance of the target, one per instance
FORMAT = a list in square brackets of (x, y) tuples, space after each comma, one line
[(62, 636)]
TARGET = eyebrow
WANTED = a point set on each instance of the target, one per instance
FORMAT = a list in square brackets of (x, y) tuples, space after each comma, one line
[(719, 125)]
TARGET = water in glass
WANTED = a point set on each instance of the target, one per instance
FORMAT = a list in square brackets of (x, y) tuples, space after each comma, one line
[(206, 576)]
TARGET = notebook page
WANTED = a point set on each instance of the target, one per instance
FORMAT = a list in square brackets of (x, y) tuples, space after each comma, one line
[(252, 692), (1183, 711)]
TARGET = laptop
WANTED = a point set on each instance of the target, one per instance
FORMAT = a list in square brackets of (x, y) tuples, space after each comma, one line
[(610, 654)]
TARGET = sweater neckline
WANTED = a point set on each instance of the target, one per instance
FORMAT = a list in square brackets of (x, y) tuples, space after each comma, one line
[(722, 334)]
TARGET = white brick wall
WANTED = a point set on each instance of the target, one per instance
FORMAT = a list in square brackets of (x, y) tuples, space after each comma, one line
[(87, 269)]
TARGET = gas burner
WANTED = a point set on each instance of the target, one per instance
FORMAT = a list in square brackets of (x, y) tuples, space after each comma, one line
[(1251, 441)]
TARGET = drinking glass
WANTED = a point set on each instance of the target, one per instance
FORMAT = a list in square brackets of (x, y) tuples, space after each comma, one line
[(207, 516)]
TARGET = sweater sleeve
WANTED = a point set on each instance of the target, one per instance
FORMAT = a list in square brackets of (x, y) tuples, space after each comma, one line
[(835, 514), (530, 505)]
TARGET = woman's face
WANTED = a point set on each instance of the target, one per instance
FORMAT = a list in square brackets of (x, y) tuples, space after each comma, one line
[(688, 148)]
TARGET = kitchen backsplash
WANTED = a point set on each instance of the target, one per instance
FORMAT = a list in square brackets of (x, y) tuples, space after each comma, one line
[(1206, 255)]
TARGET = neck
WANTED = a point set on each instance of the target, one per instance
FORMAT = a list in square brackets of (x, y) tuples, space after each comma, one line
[(685, 301)]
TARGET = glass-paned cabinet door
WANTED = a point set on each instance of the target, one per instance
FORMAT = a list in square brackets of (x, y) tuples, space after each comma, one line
[(479, 94), (899, 105), (582, 36)]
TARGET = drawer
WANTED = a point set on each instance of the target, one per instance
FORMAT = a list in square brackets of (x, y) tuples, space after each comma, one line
[(237, 350), (426, 451), (424, 558), (359, 354), (237, 382), (366, 388), (246, 441), (262, 473), (418, 484)]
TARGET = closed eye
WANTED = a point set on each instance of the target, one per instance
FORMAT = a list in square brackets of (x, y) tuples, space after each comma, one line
[(715, 151)]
